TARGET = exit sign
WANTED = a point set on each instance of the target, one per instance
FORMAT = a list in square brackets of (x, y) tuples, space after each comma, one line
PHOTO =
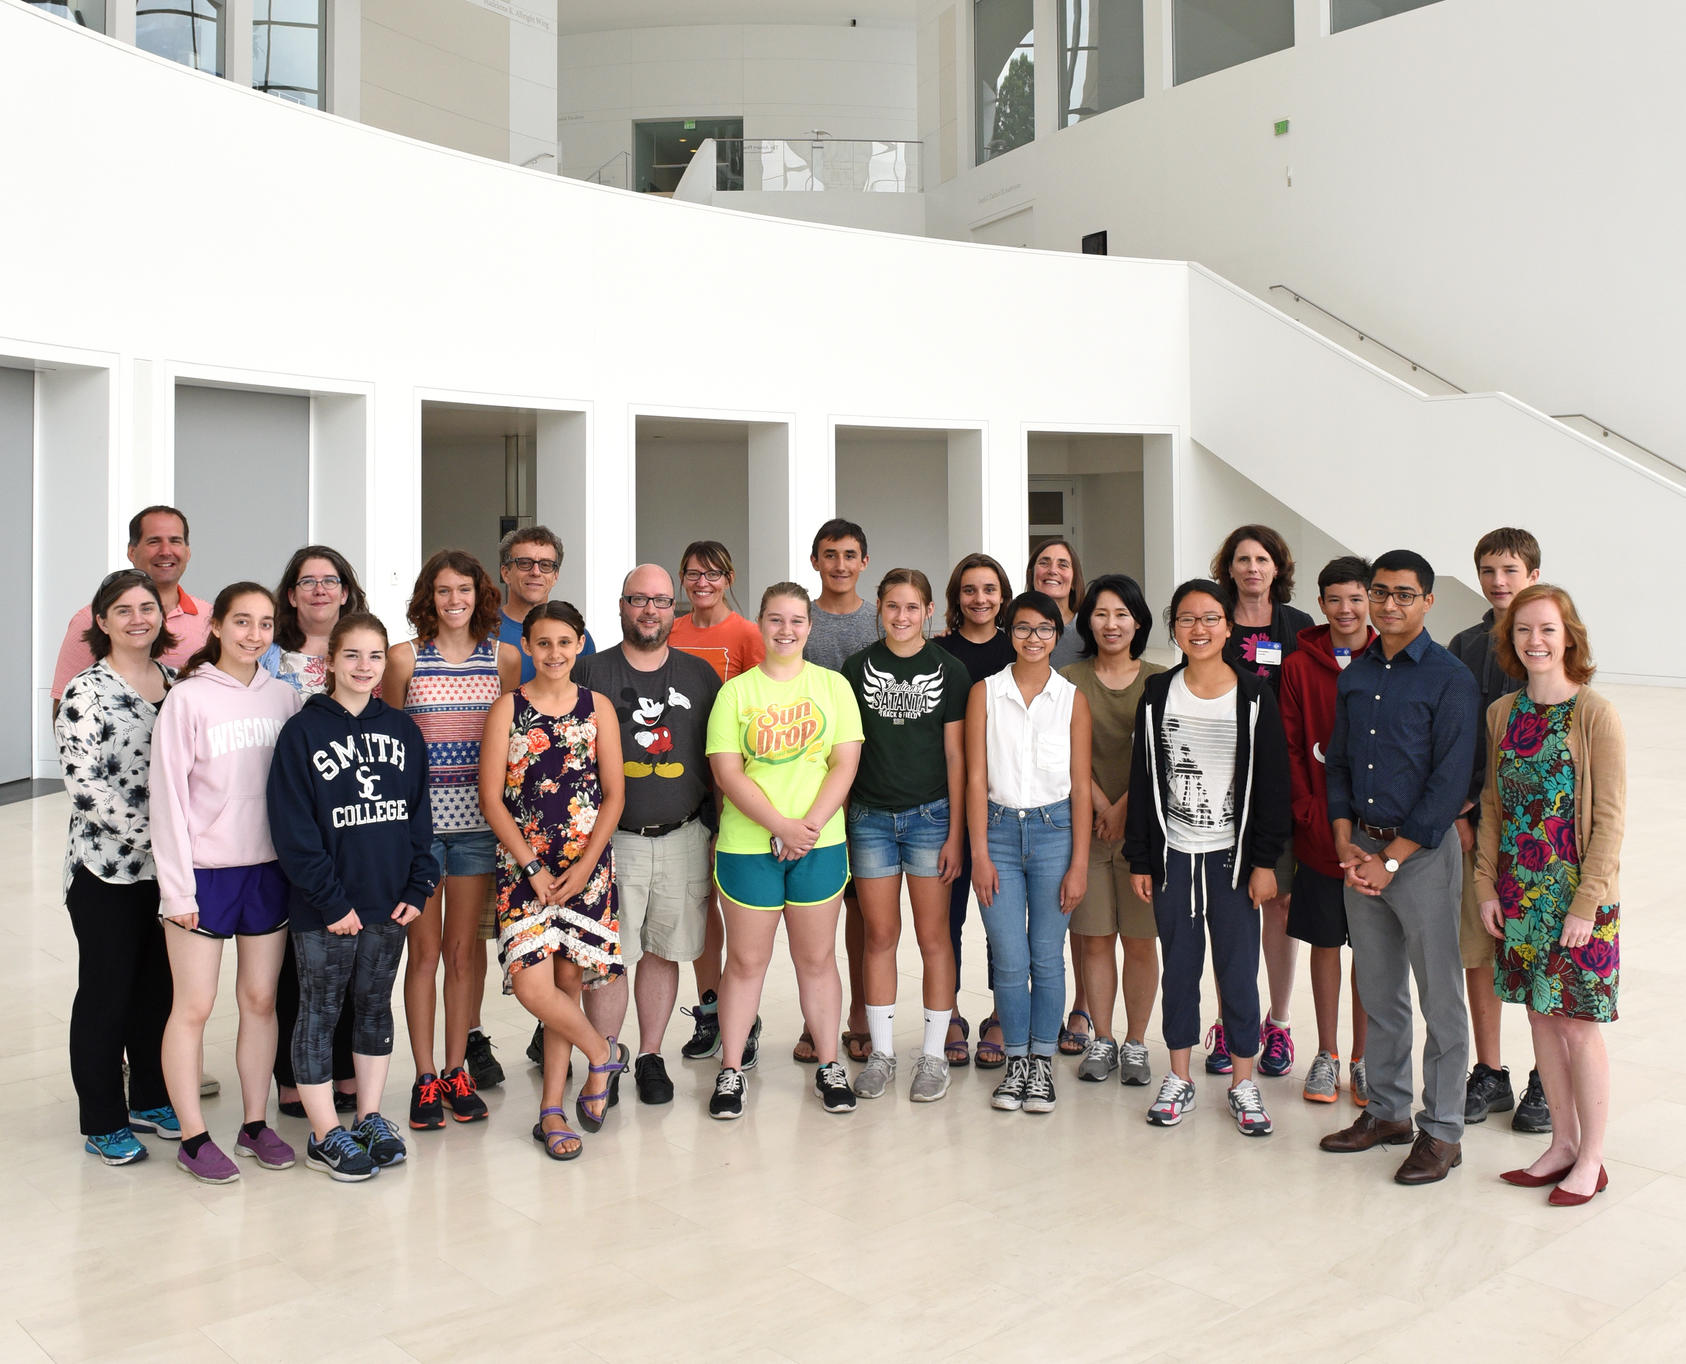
[(1281, 126), (691, 123)]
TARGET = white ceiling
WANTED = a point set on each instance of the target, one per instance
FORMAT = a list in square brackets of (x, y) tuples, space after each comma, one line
[(465, 421), (596, 16)]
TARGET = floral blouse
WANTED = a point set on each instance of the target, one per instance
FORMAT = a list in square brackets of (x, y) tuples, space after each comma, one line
[(104, 733)]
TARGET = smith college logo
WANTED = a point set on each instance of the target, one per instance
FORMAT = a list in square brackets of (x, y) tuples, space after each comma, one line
[(781, 734)]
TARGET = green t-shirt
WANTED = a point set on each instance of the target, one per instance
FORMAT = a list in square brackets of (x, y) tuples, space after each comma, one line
[(904, 705), (1112, 722), (784, 731)]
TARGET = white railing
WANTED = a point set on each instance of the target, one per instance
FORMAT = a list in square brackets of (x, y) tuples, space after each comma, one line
[(809, 164)]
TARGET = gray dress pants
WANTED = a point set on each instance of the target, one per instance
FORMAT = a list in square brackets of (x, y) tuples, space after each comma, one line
[(1411, 929)]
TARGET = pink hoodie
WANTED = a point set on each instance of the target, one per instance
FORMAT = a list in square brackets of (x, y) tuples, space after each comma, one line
[(211, 749)]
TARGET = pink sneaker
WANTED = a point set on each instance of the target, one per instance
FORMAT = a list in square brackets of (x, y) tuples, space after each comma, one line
[(1276, 1055), (266, 1148), (210, 1166)]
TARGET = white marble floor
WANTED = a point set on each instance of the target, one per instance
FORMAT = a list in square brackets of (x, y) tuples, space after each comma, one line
[(934, 1232)]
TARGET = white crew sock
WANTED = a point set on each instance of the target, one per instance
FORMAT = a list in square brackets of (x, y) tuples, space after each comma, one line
[(936, 1030), (1271, 1018), (880, 1021)]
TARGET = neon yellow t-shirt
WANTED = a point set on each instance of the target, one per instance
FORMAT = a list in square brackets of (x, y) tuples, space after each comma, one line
[(785, 732)]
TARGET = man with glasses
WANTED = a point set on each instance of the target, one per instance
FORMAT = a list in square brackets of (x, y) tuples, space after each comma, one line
[(662, 697), (1397, 771), (158, 548), (529, 558)]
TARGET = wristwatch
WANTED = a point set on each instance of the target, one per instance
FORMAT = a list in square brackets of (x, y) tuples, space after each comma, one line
[(1392, 865), (534, 867)]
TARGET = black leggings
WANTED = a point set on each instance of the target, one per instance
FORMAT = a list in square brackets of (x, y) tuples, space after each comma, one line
[(332, 966), (123, 998), (958, 894), (287, 1017)]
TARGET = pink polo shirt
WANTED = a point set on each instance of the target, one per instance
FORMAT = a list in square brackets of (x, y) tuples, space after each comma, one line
[(190, 623)]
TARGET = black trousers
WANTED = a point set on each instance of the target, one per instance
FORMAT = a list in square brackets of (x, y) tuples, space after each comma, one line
[(123, 998), (287, 1018)]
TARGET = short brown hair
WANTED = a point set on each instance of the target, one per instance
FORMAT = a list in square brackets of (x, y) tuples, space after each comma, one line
[(1509, 540), (1281, 586), (106, 594), (1578, 666), (423, 615), (528, 535), (971, 561), (1076, 594)]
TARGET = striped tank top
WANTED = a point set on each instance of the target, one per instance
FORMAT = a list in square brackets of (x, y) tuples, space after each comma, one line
[(448, 701)]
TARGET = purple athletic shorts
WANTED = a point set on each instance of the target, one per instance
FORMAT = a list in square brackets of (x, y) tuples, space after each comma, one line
[(241, 901)]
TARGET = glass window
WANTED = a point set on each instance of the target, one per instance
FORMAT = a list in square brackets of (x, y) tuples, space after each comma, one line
[(1100, 57), (1344, 14), (88, 13), (1004, 75), (1210, 35), (187, 31), (289, 49)]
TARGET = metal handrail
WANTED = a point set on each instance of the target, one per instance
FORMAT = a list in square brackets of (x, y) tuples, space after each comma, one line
[(854, 158), (1605, 429), (596, 176), (1363, 335)]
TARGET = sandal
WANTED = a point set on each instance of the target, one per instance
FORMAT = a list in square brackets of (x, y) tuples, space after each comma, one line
[(551, 1140), (804, 1053), (991, 1055), (858, 1045), (957, 1053), (593, 1122), (1073, 1043)]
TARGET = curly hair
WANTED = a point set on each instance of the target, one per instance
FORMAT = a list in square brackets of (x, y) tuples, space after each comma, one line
[(287, 632), (1578, 666), (1281, 587), (423, 615)]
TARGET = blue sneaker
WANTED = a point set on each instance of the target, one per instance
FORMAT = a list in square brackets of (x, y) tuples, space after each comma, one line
[(161, 1122), (339, 1157), (118, 1148), (381, 1140), (1217, 1052)]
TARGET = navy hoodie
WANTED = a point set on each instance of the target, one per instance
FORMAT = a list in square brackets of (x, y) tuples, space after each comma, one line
[(349, 814)]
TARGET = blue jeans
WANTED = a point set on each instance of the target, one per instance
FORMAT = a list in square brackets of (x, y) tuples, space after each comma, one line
[(1031, 850)]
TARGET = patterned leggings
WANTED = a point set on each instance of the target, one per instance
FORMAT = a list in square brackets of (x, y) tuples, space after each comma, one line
[(330, 964)]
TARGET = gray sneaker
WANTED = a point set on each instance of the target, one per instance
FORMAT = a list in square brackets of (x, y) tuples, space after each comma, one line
[(879, 1075), (1323, 1079), (930, 1079), (1133, 1068), (1360, 1085), (1100, 1059)]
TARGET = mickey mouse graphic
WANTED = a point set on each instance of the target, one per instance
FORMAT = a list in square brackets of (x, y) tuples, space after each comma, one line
[(654, 738)]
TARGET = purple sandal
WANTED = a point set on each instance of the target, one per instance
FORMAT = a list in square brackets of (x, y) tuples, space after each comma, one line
[(593, 1122), (550, 1140)]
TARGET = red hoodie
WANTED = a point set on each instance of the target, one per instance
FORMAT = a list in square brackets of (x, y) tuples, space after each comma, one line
[(1307, 700)]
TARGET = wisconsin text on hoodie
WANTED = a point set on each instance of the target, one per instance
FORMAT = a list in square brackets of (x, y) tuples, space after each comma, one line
[(250, 731)]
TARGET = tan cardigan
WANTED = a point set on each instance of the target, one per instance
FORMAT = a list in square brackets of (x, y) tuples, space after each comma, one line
[(1598, 754)]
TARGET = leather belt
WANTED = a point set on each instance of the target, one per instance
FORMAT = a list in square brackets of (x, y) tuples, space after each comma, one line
[(658, 830), (1382, 835)]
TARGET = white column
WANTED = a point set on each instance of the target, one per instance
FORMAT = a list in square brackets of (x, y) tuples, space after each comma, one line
[(1159, 519), (340, 473), (561, 500), (965, 495), (772, 554)]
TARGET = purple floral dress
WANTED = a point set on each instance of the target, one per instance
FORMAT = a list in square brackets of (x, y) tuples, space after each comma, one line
[(1539, 872)]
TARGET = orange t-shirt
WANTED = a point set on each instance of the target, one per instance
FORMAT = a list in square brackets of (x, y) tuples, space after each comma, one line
[(734, 646)]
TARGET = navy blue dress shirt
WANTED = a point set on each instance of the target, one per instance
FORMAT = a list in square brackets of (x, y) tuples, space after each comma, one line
[(1405, 737)]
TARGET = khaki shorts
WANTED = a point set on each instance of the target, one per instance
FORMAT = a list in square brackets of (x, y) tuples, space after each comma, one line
[(1109, 905), (1475, 944), (664, 892)]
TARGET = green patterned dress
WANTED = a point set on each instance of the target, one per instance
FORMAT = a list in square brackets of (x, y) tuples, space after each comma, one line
[(1539, 872)]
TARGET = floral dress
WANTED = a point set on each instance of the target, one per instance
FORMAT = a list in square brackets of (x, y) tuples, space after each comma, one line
[(552, 791), (1539, 873)]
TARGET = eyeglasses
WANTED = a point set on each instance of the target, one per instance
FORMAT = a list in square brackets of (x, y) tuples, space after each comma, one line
[(697, 575), (527, 565), (133, 574), (1211, 620), (1403, 595), (1025, 630), (310, 584), (639, 600)]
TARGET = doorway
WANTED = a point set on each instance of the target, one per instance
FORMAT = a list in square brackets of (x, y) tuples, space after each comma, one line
[(663, 148)]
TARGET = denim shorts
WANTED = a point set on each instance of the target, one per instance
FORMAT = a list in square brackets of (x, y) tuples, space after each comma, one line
[(884, 842), (762, 881), (466, 852)]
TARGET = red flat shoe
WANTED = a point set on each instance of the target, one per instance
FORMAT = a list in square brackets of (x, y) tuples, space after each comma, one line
[(1523, 1180), (1561, 1198)]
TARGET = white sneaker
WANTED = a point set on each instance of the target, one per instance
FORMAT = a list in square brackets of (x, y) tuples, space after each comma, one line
[(1176, 1097), (930, 1079), (1248, 1109)]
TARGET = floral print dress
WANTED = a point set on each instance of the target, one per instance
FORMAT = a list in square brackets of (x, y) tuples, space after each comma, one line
[(1539, 873), (551, 789)]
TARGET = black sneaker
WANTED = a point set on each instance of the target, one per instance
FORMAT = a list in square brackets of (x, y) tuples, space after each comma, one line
[(456, 1088), (381, 1140), (705, 1038), (482, 1065), (727, 1102), (752, 1046), (1532, 1115), (339, 1157), (343, 1102), (427, 1104), (1488, 1091), (831, 1083), (650, 1075), (1039, 1085), (535, 1048)]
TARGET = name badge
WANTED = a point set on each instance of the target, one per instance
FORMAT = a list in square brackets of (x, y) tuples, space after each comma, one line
[(1268, 652), (1343, 657)]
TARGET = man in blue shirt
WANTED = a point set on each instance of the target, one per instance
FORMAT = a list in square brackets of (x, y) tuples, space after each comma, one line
[(1398, 765), (529, 561)]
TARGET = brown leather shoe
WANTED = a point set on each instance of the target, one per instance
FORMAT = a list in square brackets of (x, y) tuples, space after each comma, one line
[(1368, 1131), (1430, 1161)]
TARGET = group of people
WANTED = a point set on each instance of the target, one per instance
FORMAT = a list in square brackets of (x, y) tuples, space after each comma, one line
[(270, 768)]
